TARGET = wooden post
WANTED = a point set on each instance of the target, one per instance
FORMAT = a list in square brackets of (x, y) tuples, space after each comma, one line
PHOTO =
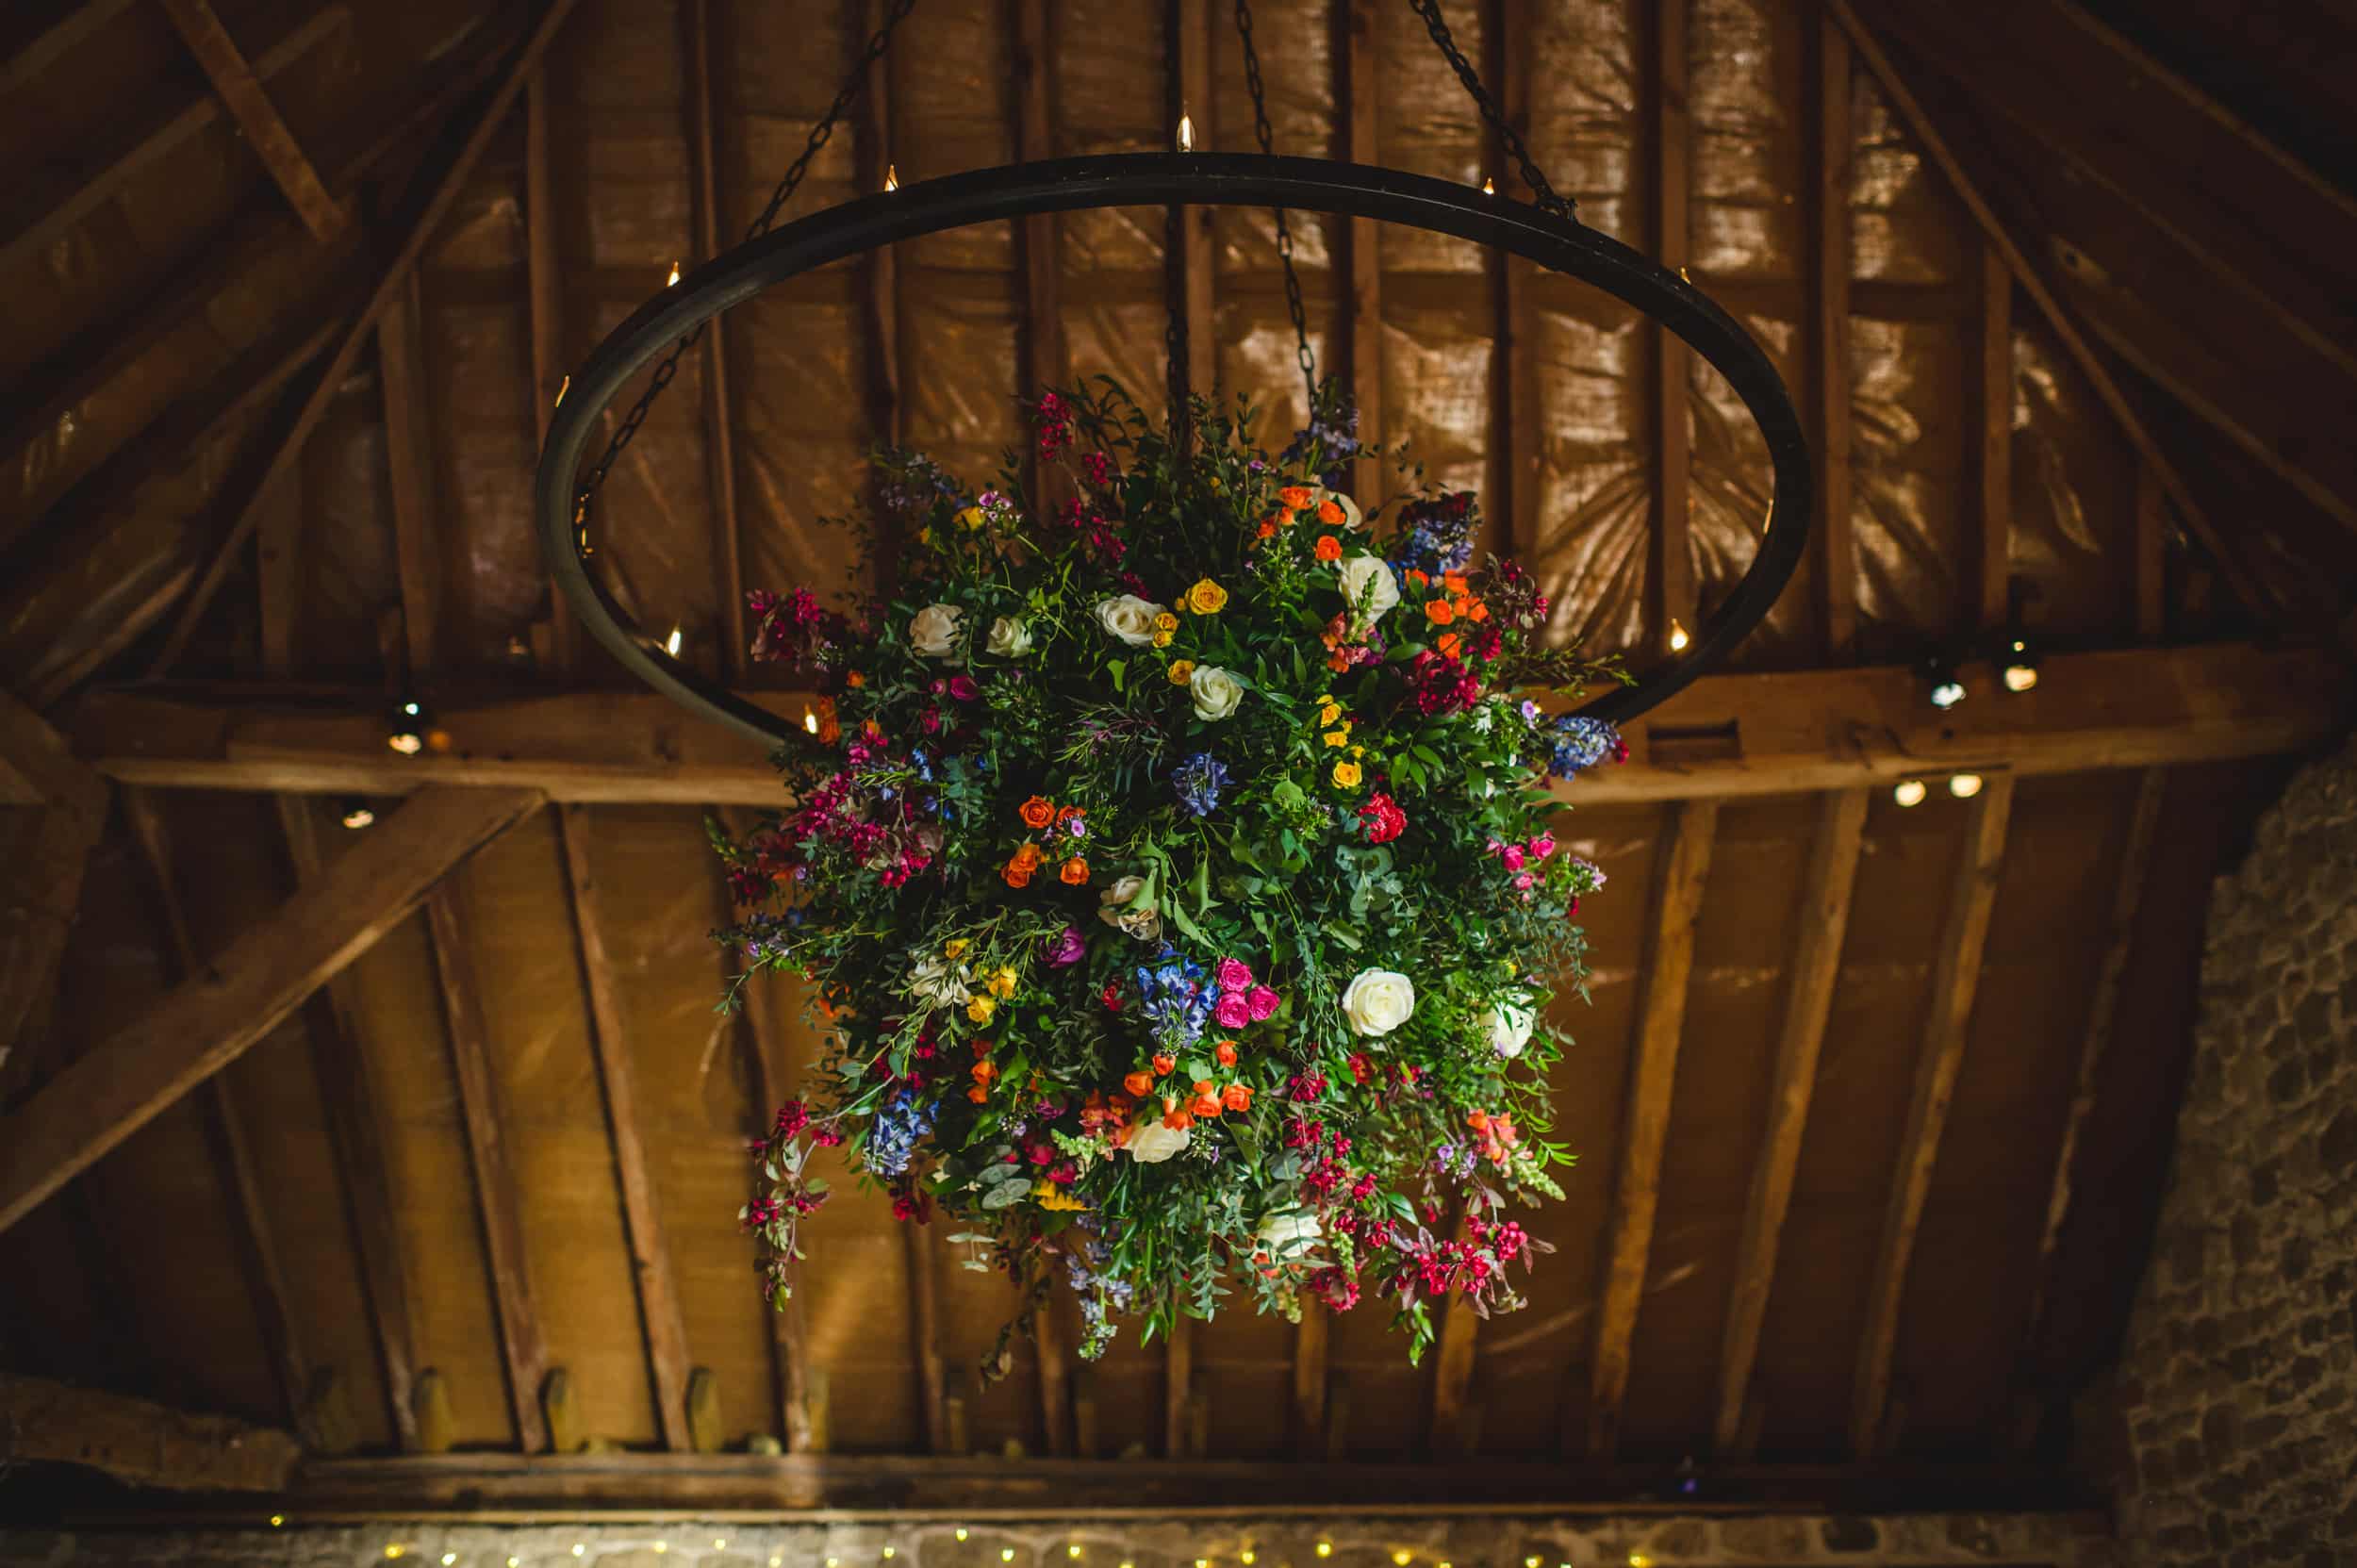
[(1311, 1340), (1953, 982), (1824, 919), (1689, 833)]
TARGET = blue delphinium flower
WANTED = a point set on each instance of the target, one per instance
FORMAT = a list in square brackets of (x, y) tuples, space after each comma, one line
[(1581, 743), (900, 1121), (1178, 1002), (1439, 533), (1199, 782)]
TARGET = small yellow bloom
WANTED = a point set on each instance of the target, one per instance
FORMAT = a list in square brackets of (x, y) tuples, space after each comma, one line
[(1001, 983), (1335, 738), (954, 949), (1165, 622), (981, 1007), (1054, 1197), (1181, 672), (1329, 711), (1162, 638), (971, 519), (1358, 750), (1345, 774), (1205, 598)]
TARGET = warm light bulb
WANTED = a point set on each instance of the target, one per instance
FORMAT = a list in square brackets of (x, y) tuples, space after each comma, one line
[(1910, 792), (449, 1557), (278, 1519), (1186, 132), (393, 1550), (1326, 1548), (1965, 785), (892, 177), (2021, 677), (1074, 1550), (1532, 1561), (577, 1548), (1678, 639), (960, 1532), (673, 280), (407, 745), (1247, 1557), (671, 643), (720, 1543), (561, 387), (1402, 1559), (1639, 1559), (777, 1559), (1006, 1554), (810, 722), (1488, 186), (891, 1552), (662, 1546)]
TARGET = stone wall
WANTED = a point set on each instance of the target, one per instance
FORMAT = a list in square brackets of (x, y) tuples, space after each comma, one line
[(2239, 1386), (1652, 1540)]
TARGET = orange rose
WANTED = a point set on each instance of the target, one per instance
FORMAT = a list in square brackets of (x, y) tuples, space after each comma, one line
[(1075, 872), (1236, 1096), (1453, 581), (1268, 527), (1338, 661), (1036, 813), (1478, 1121), (1476, 610), (1070, 813), (1451, 644), (1224, 1053), (1329, 547), (1139, 1084), (1027, 856), (984, 1071), (1205, 1105), (1296, 496), (1417, 579), (854, 679), (1017, 873), (1438, 612), (1178, 1122), (1330, 514), (978, 1095), (1164, 1064)]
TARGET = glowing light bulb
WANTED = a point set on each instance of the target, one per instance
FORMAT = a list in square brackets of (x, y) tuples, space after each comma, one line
[(1006, 1554), (1965, 785), (720, 1543), (1326, 1548), (515, 1562), (1678, 639), (449, 1557), (777, 1559), (810, 722), (1532, 1561), (662, 1546), (276, 1520), (561, 387), (1910, 792), (1247, 1557), (891, 176), (1186, 132), (2021, 677), (1488, 186), (578, 1548), (393, 1548), (1639, 1559), (891, 1552), (1402, 1559), (671, 644), (1073, 1550), (960, 1532)]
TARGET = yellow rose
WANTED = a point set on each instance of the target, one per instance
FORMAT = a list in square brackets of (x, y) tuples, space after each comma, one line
[(971, 519), (1162, 638), (981, 1007), (1329, 711), (1181, 672), (955, 949), (1335, 738), (1165, 622), (1205, 598), (1345, 774), (1001, 983)]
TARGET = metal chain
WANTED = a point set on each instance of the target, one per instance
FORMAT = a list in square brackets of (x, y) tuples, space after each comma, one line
[(667, 367), (1284, 232), (1545, 197)]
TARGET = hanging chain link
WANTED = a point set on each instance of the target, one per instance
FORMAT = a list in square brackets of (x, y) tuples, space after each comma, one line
[(1284, 231), (1544, 195), (667, 367)]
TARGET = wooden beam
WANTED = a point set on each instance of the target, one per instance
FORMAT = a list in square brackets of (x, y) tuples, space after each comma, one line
[(139, 1442), (2034, 283), (40, 891), (609, 1039), (1824, 919), (499, 1200), (1686, 837), (35, 42), (1670, 569), (355, 1125), (409, 461), (442, 191), (39, 768), (1055, 1377), (1829, 154), (1362, 316), (1034, 99), (971, 1489), (47, 205), (2151, 545), (1954, 980), (720, 411), (227, 1142), (1189, 24), (1724, 737), (1312, 1339), (1993, 475), (224, 65), (925, 1334), (1177, 1390), (2128, 892), (258, 978)]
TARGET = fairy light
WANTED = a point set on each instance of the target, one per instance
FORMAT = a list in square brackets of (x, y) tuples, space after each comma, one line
[(277, 1520), (671, 644), (578, 1548), (1910, 792), (1247, 1557), (393, 1548), (810, 722), (891, 1552), (960, 1532), (1639, 1559), (891, 176), (1965, 785), (1006, 1554), (1186, 132), (1326, 1548), (1488, 186), (1678, 639), (1532, 1561), (449, 1557), (662, 1546), (1403, 1558), (720, 1543), (777, 1559), (1074, 1550), (672, 282)]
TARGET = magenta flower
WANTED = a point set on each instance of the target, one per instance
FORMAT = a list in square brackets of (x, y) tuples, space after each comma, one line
[(1067, 949), (962, 689), (1542, 846), (1232, 1011), (1512, 855), (1261, 1002), (1234, 975)]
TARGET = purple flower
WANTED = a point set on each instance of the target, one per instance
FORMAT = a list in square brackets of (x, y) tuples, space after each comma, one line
[(1232, 1011), (1068, 947), (1262, 1001)]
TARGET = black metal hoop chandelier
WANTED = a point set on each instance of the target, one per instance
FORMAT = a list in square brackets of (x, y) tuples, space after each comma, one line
[(1544, 233)]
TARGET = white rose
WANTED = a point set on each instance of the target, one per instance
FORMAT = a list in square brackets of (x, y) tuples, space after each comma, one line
[(1378, 1002), (1215, 691), (940, 983), (1150, 1143), (1369, 588), (1010, 638), (1287, 1233), (1130, 617), (1113, 908), (933, 630), (1509, 1023)]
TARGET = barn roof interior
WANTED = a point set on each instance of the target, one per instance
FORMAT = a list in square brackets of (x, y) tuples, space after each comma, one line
[(421, 1141)]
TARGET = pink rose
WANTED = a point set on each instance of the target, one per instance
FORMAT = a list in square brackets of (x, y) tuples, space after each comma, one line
[(1512, 855), (963, 688), (1262, 1000), (1232, 1012), (1233, 975), (1542, 846), (1525, 881)]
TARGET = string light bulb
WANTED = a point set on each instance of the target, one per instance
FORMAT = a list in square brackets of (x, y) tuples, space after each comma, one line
[(720, 1543), (1488, 186), (1326, 1548), (393, 1548), (1186, 132), (1944, 685), (1678, 639), (662, 1546), (672, 282), (672, 643), (1403, 1558), (277, 1520), (960, 1532), (1006, 1554), (406, 727), (1910, 792), (1074, 1550), (578, 1548), (1247, 1557), (891, 1552), (1963, 786), (2018, 670), (449, 1557), (891, 176)]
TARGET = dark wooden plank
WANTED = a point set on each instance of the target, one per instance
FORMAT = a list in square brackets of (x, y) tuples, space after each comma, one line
[(1954, 980), (649, 1253), (264, 129), (1687, 835), (258, 978), (2151, 545), (143, 1444), (41, 35), (1823, 920)]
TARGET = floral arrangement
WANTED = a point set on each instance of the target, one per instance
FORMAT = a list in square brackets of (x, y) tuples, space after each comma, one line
[(1175, 863)]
